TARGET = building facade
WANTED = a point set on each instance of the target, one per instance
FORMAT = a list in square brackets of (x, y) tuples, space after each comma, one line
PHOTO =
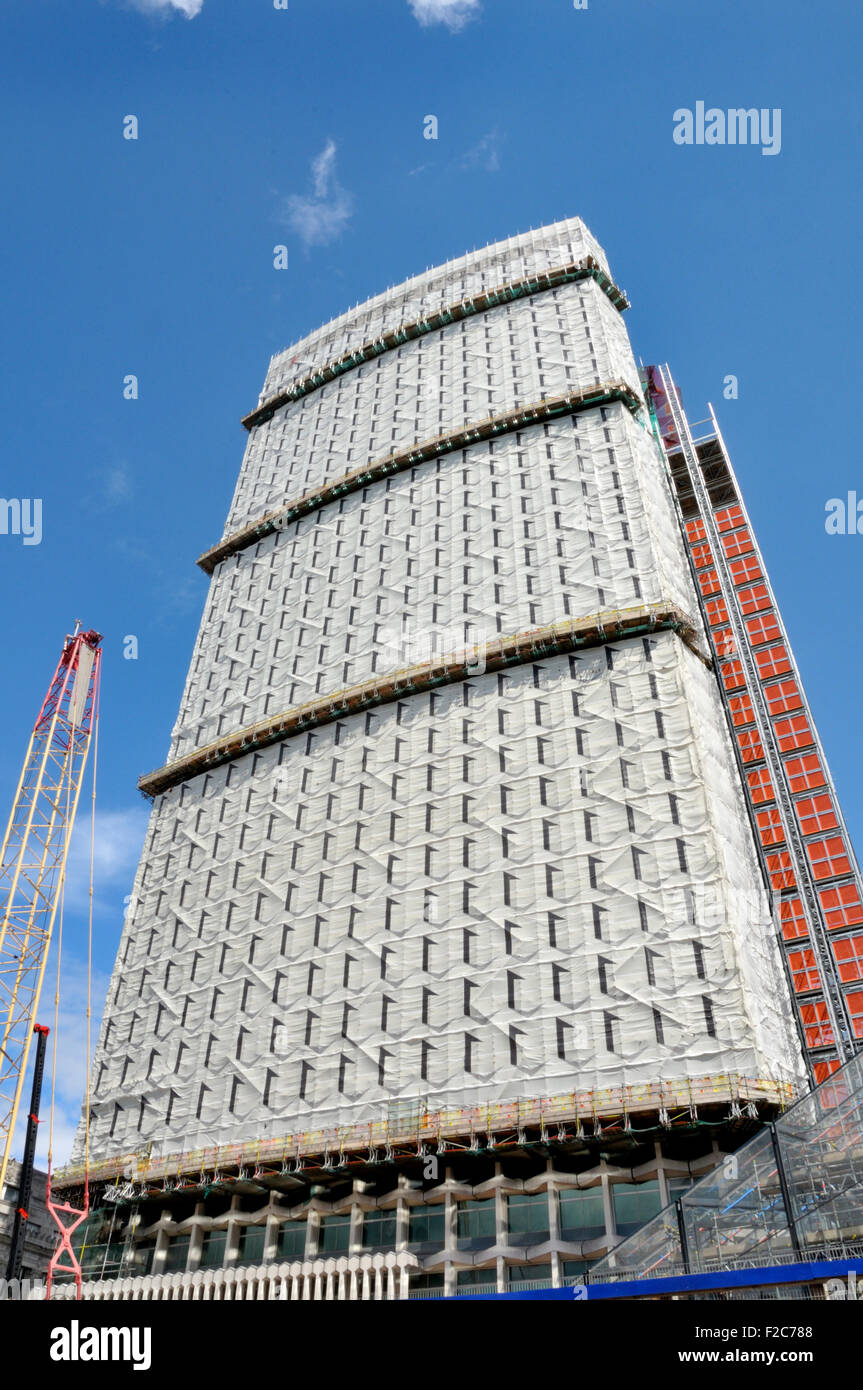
[(450, 896)]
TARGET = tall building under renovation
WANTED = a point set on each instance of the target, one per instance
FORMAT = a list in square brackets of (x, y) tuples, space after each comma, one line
[(495, 883)]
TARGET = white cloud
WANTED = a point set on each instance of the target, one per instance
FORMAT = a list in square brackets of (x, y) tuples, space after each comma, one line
[(322, 215), (454, 13), (485, 154), (187, 7), (117, 845)]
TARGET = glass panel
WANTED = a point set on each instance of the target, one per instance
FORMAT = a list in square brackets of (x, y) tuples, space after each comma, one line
[(528, 1274), (635, 1204), (252, 1242), (379, 1230), (142, 1257), (177, 1254), (213, 1249), (335, 1235), (427, 1228), (654, 1250), (581, 1214), (292, 1240), (476, 1278), (527, 1218), (426, 1281), (737, 1209), (476, 1225)]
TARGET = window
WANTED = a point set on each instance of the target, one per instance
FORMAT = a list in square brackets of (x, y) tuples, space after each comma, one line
[(517, 1276), (581, 1213), (379, 1230), (738, 544), (728, 518), (741, 710), (426, 1230), (335, 1235), (176, 1254), (427, 1281), (476, 1279), (213, 1249), (708, 583), (527, 1218), (291, 1244), (634, 1204), (744, 569), (780, 870), (475, 1225), (142, 1257), (252, 1241)]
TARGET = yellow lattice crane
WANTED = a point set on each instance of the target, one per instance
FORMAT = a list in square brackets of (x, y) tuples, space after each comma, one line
[(33, 857)]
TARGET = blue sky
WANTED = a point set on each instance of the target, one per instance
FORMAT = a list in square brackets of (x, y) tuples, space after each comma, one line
[(304, 126)]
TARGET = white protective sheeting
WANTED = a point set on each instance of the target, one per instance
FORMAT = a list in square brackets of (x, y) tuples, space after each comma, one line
[(529, 883)]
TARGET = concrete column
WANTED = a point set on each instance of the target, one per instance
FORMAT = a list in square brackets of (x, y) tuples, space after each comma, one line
[(161, 1250), (196, 1241), (450, 1242), (402, 1224), (664, 1196), (355, 1242), (271, 1240), (608, 1206), (553, 1223), (232, 1241), (501, 1232), (313, 1226)]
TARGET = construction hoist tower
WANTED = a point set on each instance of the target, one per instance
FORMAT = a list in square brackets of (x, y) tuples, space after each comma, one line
[(33, 857)]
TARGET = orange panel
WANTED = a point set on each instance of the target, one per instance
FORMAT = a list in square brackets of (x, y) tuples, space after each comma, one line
[(702, 555), (780, 870), (816, 813), (804, 972), (772, 662), (793, 919), (695, 530), (855, 1008), (783, 696), (793, 733), (723, 641), (829, 857), (849, 955), (732, 674), (738, 544), (741, 710), (746, 568), (708, 583), (750, 746), (815, 1024), (760, 786), (753, 599), (770, 827), (824, 1069), (804, 772), (716, 611), (842, 906), (764, 629), (728, 518)]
